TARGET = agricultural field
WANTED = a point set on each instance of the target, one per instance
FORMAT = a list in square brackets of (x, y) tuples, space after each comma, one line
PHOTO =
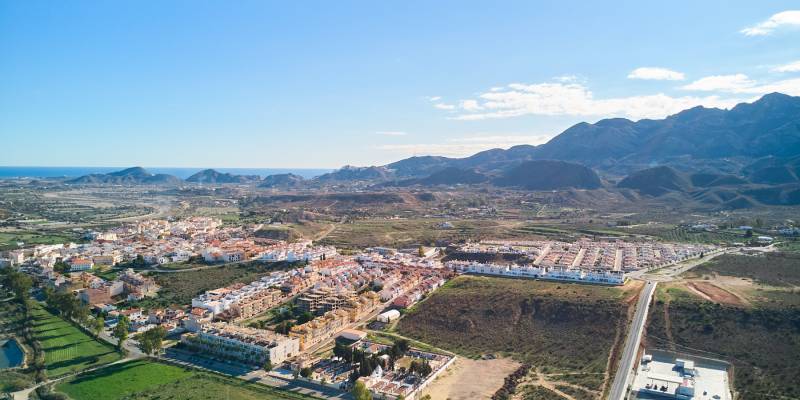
[(680, 234), (143, 379), (31, 207), (66, 348), (400, 233), (10, 238), (560, 328), (757, 340)]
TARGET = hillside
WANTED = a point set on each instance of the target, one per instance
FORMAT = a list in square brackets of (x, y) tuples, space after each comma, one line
[(769, 126), (350, 173), (568, 328), (211, 176), (129, 176), (656, 181), (282, 181), (549, 175), (447, 176), (695, 139)]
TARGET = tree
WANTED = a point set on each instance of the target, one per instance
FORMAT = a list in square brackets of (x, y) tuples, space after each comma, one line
[(305, 372), (20, 284), (97, 326), (61, 267), (748, 233), (421, 251), (360, 392), (305, 317), (120, 331), (268, 366), (150, 341)]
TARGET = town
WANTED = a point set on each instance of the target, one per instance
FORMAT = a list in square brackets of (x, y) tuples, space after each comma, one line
[(322, 297)]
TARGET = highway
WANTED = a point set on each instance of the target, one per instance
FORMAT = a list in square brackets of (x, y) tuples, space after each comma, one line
[(619, 387)]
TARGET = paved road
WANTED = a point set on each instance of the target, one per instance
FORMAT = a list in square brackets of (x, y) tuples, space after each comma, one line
[(619, 387)]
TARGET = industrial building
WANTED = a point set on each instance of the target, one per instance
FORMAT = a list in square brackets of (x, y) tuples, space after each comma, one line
[(666, 375)]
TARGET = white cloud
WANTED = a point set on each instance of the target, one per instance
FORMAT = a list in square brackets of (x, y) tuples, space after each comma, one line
[(781, 19), (728, 83), (656, 73), (790, 67), (741, 84), (786, 86), (391, 133), (434, 98), (575, 99), (566, 78), (465, 146), (470, 105), (443, 106)]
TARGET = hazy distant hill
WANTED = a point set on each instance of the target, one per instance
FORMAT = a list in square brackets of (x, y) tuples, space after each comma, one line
[(447, 176), (129, 176), (210, 176), (350, 173), (713, 180), (549, 175), (656, 181), (774, 170), (485, 162), (282, 181)]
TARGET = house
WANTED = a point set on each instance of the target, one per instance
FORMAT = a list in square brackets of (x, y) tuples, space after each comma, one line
[(80, 264), (389, 316), (198, 318), (107, 260), (403, 302), (248, 345)]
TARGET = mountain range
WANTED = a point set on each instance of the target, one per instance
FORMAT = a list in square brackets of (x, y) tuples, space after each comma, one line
[(129, 176), (696, 150)]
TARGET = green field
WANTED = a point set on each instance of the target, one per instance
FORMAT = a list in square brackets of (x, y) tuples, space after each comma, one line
[(679, 234), (120, 380), (144, 379), (8, 240), (66, 348)]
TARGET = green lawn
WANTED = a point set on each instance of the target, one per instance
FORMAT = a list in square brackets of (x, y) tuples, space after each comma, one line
[(120, 380), (143, 379), (67, 348)]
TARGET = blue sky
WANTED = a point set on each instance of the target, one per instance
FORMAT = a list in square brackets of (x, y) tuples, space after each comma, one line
[(324, 84)]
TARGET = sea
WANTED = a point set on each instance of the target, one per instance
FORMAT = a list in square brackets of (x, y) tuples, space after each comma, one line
[(183, 173)]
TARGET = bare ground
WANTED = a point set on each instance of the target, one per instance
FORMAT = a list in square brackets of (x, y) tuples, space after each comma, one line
[(715, 293), (470, 379)]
